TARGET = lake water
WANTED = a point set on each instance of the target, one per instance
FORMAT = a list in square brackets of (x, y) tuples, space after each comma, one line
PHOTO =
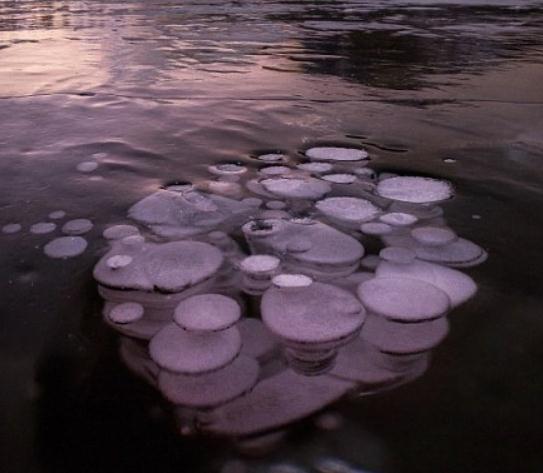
[(154, 92)]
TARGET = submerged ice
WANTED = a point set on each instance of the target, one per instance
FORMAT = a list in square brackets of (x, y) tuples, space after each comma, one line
[(256, 297)]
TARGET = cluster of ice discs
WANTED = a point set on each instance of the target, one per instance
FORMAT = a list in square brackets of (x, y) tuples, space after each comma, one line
[(250, 301), (69, 245)]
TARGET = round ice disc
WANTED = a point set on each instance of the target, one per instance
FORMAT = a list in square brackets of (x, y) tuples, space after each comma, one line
[(207, 312), (403, 299)]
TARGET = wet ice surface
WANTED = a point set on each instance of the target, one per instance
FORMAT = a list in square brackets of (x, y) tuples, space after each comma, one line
[(148, 95)]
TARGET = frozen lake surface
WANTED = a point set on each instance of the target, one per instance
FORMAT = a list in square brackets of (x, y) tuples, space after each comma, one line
[(104, 103)]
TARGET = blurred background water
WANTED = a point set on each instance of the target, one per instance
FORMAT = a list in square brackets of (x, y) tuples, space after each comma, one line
[(157, 90)]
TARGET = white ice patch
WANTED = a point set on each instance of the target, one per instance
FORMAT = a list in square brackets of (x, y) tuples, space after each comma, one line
[(418, 190), (348, 209), (333, 153), (340, 178), (42, 228), (87, 166), (11, 228), (65, 247), (78, 226)]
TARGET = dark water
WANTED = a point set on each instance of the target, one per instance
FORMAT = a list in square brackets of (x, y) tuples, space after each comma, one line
[(161, 90)]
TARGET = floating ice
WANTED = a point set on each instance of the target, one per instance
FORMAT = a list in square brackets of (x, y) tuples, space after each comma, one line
[(403, 299), (293, 281), (296, 188), (227, 169), (370, 262), (119, 261), (401, 338), (398, 219), (418, 190), (458, 286), (315, 313), (433, 236), (168, 267), (79, 226), (117, 232), (375, 228), (287, 396), (211, 389), (316, 167), (260, 264), (87, 166), (126, 313), (348, 210), (179, 351), (275, 170), (43, 228), (330, 153), (355, 362), (57, 214), (332, 253), (397, 255), (11, 228), (340, 178), (207, 313), (183, 214), (272, 157), (257, 341), (460, 253), (65, 247)]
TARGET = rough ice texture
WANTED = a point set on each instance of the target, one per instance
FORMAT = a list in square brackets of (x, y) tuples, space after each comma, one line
[(315, 167), (126, 313), (65, 247), (296, 188), (350, 210), (332, 153), (11, 228), (458, 286), (116, 232), (375, 228), (257, 341), (207, 312), (398, 219), (182, 214), (329, 247), (211, 389), (403, 299), (340, 178), (79, 226), (433, 236), (292, 280), (169, 267), (43, 228), (119, 261), (319, 313), (179, 351), (414, 189), (260, 264), (276, 401), (401, 338)]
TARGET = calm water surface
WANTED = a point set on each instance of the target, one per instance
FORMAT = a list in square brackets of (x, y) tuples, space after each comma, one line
[(161, 89)]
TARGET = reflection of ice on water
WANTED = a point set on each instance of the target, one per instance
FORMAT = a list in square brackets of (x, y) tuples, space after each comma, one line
[(247, 323)]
